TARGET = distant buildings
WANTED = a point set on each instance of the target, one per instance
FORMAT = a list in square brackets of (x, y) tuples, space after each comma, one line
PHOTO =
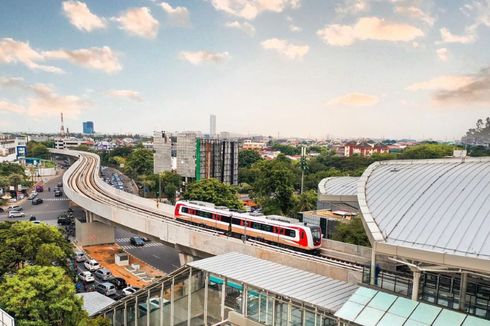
[(212, 125), (196, 157), (251, 145), (12, 147), (88, 128), (71, 142)]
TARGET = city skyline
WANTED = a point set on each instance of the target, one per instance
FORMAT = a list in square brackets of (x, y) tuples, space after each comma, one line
[(379, 69)]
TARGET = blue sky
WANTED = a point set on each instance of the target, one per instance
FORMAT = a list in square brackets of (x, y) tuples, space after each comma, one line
[(348, 68)]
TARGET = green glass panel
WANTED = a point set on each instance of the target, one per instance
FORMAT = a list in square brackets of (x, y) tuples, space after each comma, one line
[(448, 317), (382, 301), (403, 307), (349, 311), (391, 320), (369, 317), (425, 313), (475, 321)]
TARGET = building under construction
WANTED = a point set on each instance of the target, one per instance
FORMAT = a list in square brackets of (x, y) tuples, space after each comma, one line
[(197, 157)]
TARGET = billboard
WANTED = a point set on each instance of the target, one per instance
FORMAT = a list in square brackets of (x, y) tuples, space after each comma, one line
[(21, 151)]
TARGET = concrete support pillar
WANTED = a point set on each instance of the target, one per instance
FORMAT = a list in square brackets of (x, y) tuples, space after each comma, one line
[(184, 259), (416, 285), (462, 291), (93, 233), (372, 279)]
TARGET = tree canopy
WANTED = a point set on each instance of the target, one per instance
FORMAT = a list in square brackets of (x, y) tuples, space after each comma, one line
[(352, 232), (139, 162), (246, 158), (480, 134), (213, 191), (427, 151)]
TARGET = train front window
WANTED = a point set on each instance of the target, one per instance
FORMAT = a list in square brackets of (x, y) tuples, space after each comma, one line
[(316, 233)]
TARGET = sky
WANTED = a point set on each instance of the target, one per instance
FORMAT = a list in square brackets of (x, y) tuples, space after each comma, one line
[(304, 68)]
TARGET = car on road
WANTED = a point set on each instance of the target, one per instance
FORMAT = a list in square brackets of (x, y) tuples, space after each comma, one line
[(37, 201), (64, 220), (13, 214), (59, 185), (80, 256), (103, 273), (118, 282), (106, 288), (32, 195), (58, 193), (39, 188), (15, 208), (86, 276), (91, 265), (130, 290), (137, 241)]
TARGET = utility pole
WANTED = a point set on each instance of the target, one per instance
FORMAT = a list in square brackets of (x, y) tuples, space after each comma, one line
[(303, 166)]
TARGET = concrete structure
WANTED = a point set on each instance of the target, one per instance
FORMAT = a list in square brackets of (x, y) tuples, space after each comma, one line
[(88, 128), (186, 154), (71, 142), (162, 158), (250, 145), (12, 147), (327, 220), (212, 125), (91, 232), (338, 193), (218, 159), (364, 148), (234, 289)]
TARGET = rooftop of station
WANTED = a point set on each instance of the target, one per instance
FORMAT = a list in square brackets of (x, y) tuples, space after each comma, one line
[(436, 211), (338, 186)]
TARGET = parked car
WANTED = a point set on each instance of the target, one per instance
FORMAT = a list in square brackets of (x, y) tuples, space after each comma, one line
[(59, 185), (86, 276), (58, 193), (15, 208), (137, 241), (80, 256), (103, 273), (39, 188), (64, 220), (106, 288), (119, 282), (130, 290), (32, 195), (91, 265), (37, 201), (13, 214)]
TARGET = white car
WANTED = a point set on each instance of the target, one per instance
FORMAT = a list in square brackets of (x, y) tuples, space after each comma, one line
[(86, 276), (130, 290), (91, 265), (13, 214)]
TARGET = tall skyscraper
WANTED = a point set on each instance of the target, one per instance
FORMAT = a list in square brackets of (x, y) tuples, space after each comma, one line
[(62, 128), (88, 128), (212, 125)]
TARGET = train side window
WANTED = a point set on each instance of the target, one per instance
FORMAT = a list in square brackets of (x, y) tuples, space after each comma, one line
[(266, 228), (290, 233), (225, 219), (235, 221), (185, 210)]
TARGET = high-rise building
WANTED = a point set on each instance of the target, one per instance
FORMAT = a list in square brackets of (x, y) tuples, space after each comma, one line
[(186, 154), (88, 128), (212, 125), (162, 145)]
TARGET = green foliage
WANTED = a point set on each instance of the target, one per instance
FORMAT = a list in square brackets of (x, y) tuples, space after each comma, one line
[(287, 149), (107, 157), (83, 148), (38, 150), (247, 175), (25, 242), (247, 158), (6, 169), (41, 296), (213, 191), (306, 201), (139, 162), (480, 134), (427, 151), (352, 232), (478, 151)]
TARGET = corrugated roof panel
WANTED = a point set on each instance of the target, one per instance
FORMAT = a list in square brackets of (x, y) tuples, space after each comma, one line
[(338, 186), (299, 285), (438, 205)]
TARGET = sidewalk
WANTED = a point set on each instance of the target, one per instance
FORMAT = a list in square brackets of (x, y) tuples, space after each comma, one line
[(104, 254)]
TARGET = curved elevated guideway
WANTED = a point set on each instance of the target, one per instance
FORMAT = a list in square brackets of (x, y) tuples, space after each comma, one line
[(105, 204)]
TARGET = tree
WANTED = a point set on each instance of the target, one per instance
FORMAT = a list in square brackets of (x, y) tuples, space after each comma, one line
[(352, 232), (479, 135), (39, 151), (139, 162), (247, 158), (306, 201), (25, 242), (213, 191), (427, 151), (41, 295)]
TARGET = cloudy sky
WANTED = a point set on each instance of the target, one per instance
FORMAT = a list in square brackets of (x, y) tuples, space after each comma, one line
[(347, 68)]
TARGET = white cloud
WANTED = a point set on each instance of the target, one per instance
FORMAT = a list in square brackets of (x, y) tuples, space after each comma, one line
[(294, 28), (125, 93), (352, 7), (80, 16), (249, 9), (139, 22), (12, 51), (354, 99), (178, 16), (42, 101), (442, 53), (289, 50), (245, 26), (448, 37), (94, 58), (368, 28), (199, 57), (415, 13), (445, 82)]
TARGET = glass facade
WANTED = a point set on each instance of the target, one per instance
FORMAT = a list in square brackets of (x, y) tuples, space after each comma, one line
[(196, 297)]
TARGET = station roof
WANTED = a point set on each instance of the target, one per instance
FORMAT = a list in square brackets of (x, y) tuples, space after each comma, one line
[(371, 307), (94, 302), (313, 289), (338, 186), (438, 209)]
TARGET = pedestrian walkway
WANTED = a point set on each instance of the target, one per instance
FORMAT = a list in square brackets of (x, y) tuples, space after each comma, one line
[(56, 199), (129, 246)]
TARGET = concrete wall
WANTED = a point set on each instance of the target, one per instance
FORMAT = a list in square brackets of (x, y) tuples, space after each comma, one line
[(94, 233)]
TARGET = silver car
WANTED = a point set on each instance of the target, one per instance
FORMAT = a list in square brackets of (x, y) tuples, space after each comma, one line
[(13, 214)]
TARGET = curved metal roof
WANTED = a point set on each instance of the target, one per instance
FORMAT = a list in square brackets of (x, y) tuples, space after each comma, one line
[(441, 206), (338, 186)]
